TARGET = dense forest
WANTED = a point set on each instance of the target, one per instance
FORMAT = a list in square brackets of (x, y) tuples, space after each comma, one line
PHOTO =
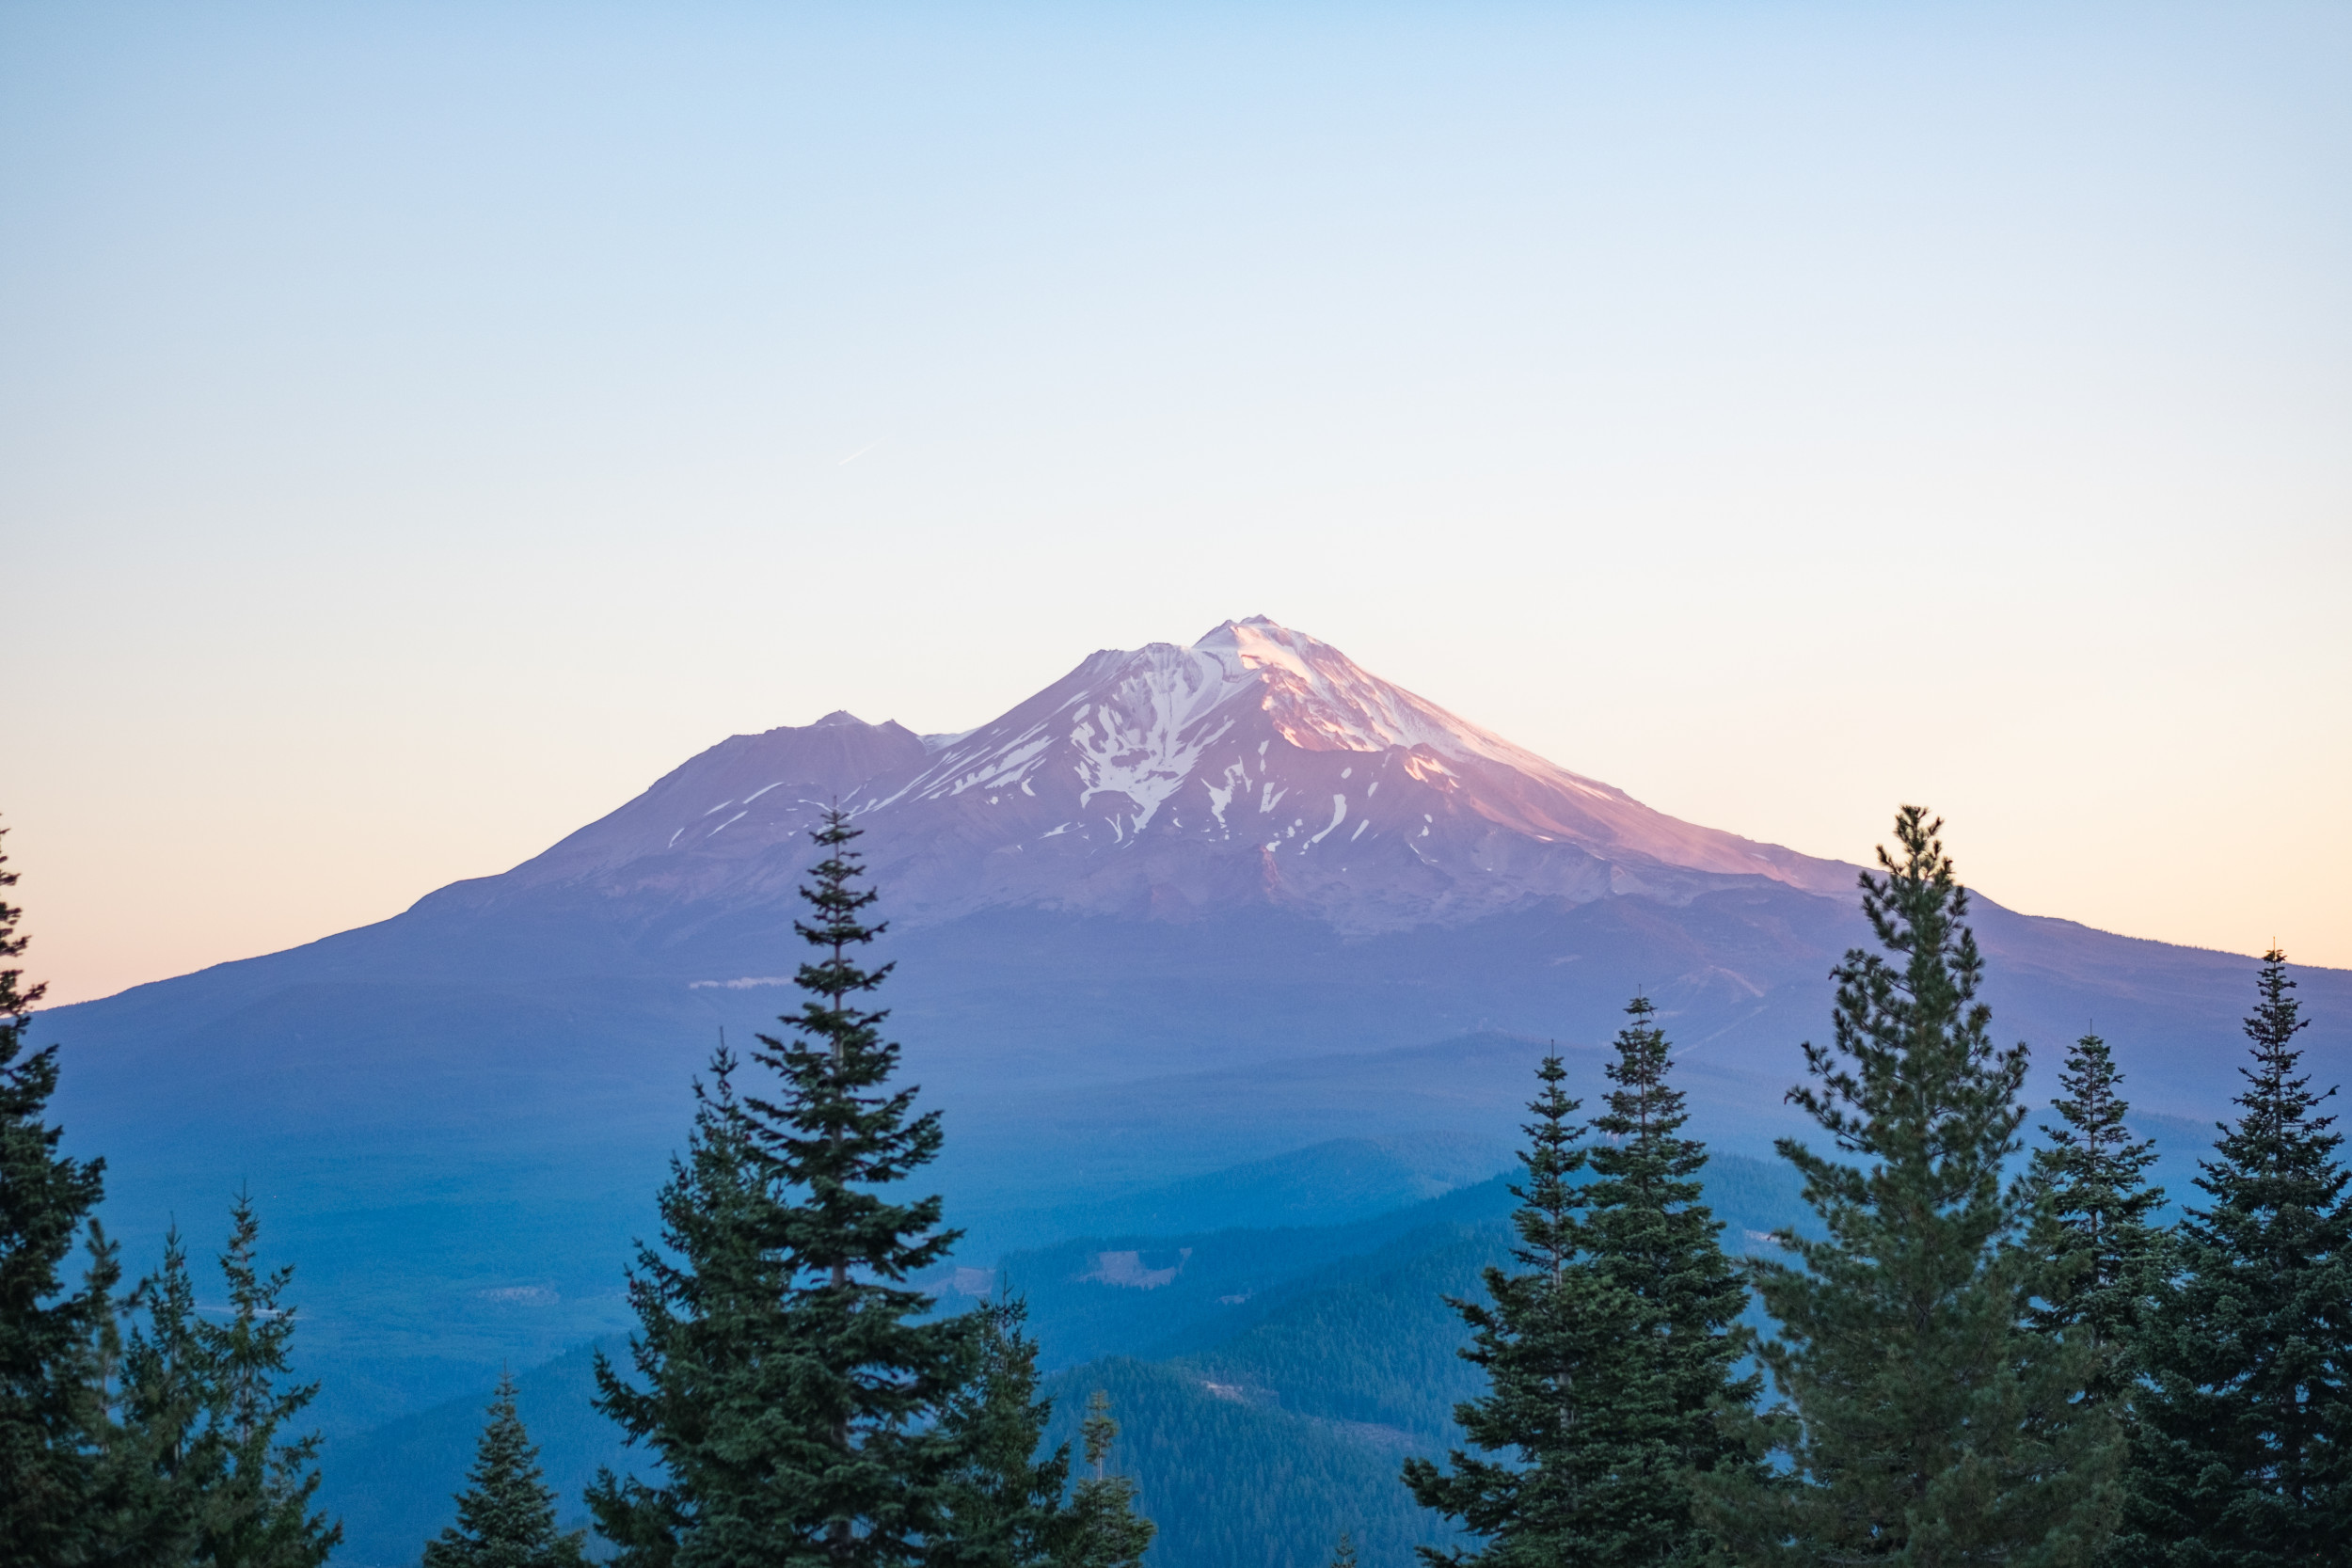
[(1945, 1330)]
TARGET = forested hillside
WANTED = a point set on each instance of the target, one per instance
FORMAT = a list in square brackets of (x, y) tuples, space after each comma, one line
[(1251, 1392), (1268, 1387)]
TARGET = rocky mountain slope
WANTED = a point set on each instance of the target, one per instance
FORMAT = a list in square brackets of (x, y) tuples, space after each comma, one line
[(1259, 766)]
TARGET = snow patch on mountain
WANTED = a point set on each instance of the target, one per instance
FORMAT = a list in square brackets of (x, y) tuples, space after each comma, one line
[(1144, 741), (1320, 700)]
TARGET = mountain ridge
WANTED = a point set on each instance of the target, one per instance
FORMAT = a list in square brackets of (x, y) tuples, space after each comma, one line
[(1174, 778)]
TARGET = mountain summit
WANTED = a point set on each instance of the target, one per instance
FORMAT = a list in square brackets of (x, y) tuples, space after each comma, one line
[(1258, 765)]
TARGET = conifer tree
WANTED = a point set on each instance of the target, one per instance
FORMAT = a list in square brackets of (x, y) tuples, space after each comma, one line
[(697, 1318), (1003, 1506), (795, 1395), (1540, 1333), (195, 1468), (258, 1484), (1663, 1400), (2247, 1419), (113, 1512), (1925, 1421), (1102, 1528), (50, 1405), (1639, 1395), (162, 1462), (1344, 1554), (506, 1516), (2107, 1259)]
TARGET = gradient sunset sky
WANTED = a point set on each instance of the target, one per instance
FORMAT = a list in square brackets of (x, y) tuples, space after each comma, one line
[(423, 425)]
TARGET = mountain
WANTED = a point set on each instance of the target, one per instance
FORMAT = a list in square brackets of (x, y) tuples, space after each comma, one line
[(1186, 908), (1164, 784)]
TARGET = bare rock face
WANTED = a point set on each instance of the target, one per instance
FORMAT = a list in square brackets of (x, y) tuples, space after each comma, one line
[(1257, 766)]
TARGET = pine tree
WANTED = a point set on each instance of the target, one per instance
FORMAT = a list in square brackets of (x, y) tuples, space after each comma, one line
[(1925, 1421), (115, 1514), (1102, 1528), (1540, 1333), (194, 1468), (1344, 1554), (258, 1485), (1004, 1505), (50, 1405), (1663, 1398), (506, 1516), (2108, 1259), (163, 1462), (795, 1396), (696, 1317), (1612, 1363), (2246, 1418)]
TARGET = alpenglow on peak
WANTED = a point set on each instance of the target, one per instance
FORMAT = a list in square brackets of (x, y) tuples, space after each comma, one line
[(1256, 764)]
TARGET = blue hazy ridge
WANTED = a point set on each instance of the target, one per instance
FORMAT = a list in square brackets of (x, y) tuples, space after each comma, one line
[(1269, 1380)]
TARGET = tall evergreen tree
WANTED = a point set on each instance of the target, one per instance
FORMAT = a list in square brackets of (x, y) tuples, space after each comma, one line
[(1102, 1528), (697, 1318), (2107, 1259), (1925, 1421), (2247, 1419), (1003, 1506), (195, 1465), (506, 1515), (1344, 1554), (1537, 1336), (260, 1482), (49, 1401), (1665, 1400), (794, 1393), (1646, 1398), (163, 1463)]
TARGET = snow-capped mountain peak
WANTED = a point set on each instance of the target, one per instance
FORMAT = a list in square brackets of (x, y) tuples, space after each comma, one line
[(1258, 764), (1322, 701)]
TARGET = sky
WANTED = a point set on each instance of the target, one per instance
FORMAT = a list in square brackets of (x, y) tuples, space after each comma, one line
[(422, 426)]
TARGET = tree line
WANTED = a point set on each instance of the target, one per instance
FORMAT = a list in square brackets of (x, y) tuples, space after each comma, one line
[(804, 1401), (1976, 1360), (134, 1430)]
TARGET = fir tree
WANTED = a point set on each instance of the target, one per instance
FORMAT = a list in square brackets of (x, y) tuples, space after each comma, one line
[(1663, 1398), (695, 1317), (1102, 1528), (506, 1516), (1539, 1335), (1925, 1421), (163, 1462), (194, 1469), (795, 1396), (2246, 1420), (1344, 1553), (1638, 1394), (257, 1484), (115, 1509), (1004, 1505), (2107, 1259), (51, 1408)]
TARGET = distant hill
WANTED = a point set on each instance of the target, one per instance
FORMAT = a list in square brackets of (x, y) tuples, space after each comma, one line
[(1269, 1381)]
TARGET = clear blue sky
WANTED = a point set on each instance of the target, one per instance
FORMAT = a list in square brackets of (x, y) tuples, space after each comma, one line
[(421, 425)]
